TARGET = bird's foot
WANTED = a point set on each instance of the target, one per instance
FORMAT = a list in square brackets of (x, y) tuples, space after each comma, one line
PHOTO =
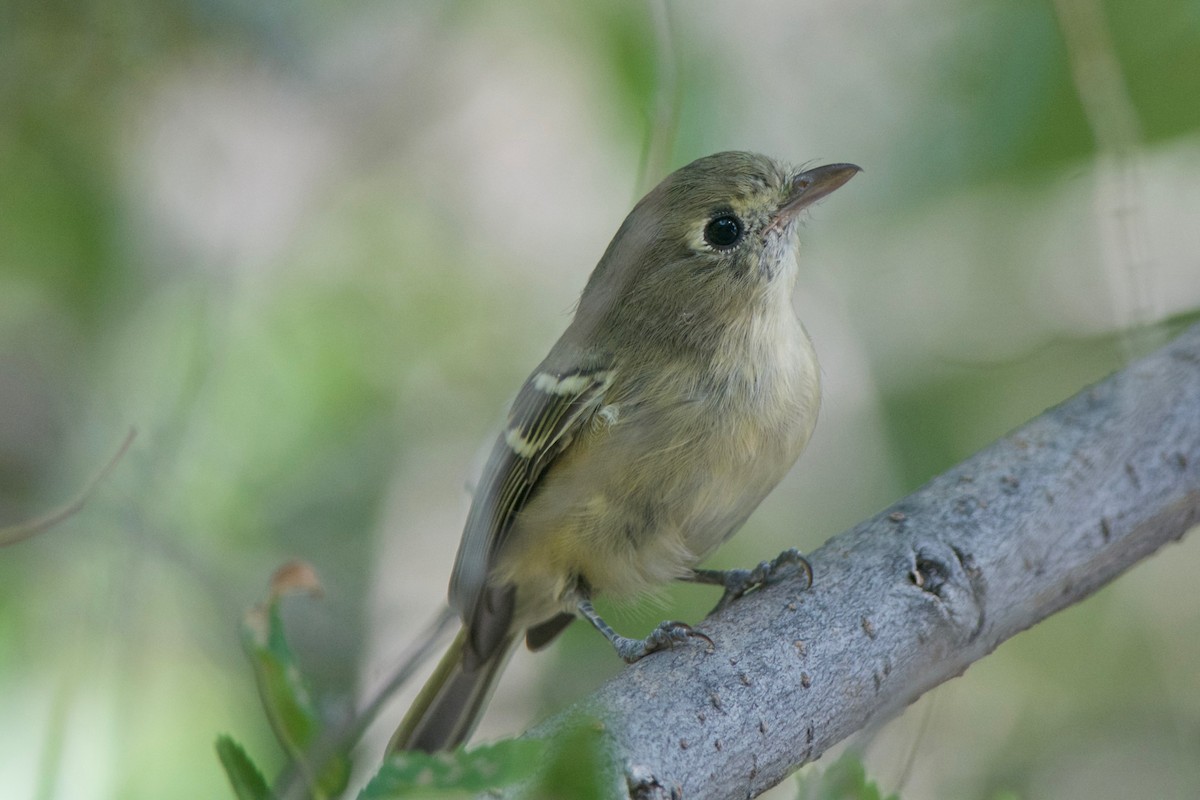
[(738, 582), (665, 636)]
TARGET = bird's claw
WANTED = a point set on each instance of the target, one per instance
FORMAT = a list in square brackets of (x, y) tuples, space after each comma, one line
[(777, 568), (740, 581), (664, 637)]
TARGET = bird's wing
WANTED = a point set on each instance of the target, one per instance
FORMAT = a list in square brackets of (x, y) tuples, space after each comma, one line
[(549, 412)]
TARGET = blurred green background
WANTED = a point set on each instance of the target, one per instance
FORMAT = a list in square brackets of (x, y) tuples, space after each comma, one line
[(310, 250)]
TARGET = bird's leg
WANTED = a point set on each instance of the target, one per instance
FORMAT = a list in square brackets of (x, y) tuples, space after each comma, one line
[(666, 635), (738, 582)]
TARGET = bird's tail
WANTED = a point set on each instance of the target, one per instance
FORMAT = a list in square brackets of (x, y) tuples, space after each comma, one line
[(452, 700)]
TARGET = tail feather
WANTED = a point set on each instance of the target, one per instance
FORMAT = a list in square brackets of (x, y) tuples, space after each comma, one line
[(451, 702)]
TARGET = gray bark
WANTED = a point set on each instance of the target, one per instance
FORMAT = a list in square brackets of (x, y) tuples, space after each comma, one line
[(912, 597)]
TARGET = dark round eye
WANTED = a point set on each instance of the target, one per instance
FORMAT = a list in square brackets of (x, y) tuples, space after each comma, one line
[(723, 231)]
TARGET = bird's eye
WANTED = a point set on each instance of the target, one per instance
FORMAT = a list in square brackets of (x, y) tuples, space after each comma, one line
[(723, 232)]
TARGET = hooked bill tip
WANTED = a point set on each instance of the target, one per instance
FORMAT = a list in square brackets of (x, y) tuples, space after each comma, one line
[(820, 181), (813, 184)]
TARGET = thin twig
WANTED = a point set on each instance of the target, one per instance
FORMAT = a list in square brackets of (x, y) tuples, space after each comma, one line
[(664, 115), (27, 530), (1112, 117)]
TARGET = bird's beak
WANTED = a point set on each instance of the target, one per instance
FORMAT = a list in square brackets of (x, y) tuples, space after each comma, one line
[(811, 185)]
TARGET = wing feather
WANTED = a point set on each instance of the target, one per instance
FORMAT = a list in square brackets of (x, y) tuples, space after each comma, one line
[(549, 412)]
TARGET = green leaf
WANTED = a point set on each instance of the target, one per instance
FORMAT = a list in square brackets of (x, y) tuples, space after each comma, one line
[(576, 765), (412, 774), (281, 686), (845, 779), (247, 781)]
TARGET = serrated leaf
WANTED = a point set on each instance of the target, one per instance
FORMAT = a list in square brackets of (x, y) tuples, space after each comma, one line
[(410, 774), (248, 783), (844, 779)]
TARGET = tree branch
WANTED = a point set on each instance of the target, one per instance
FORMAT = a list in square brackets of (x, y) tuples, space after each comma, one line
[(912, 597)]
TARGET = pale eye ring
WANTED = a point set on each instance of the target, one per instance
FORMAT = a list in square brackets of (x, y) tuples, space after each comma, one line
[(724, 231)]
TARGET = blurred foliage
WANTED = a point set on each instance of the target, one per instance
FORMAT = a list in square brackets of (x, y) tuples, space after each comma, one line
[(318, 758), (844, 779), (245, 779), (463, 773), (1155, 44), (308, 250), (284, 691)]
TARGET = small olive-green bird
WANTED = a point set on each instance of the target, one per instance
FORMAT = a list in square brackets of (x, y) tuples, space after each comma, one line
[(681, 393)]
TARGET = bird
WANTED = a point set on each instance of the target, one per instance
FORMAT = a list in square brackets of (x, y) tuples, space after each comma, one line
[(682, 391)]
